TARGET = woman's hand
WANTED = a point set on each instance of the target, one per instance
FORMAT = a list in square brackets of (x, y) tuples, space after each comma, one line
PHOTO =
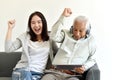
[(67, 12), (11, 24), (80, 70)]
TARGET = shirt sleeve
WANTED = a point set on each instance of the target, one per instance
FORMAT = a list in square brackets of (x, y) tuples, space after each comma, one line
[(54, 47), (91, 59), (57, 34), (12, 46)]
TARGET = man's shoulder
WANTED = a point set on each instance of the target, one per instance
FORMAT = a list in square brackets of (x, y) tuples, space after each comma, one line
[(92, 41), (91, 37)]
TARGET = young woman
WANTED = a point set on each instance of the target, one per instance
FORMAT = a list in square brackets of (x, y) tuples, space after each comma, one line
[(36, 46)]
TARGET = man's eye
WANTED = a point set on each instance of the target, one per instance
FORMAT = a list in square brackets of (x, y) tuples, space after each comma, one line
[(75, 30)]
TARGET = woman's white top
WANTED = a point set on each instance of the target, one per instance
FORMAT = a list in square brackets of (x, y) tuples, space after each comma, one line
[(38, 53)]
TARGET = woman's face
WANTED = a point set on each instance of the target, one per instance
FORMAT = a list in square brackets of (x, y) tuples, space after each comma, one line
[(36, 25)]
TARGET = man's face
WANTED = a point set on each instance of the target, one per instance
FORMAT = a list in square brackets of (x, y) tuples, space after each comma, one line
[(79, 29)]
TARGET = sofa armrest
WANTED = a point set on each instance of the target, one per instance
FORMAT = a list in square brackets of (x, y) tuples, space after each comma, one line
[(8, 62), (93, 73)]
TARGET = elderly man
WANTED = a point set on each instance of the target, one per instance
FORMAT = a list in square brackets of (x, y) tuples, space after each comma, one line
[(76, 53)]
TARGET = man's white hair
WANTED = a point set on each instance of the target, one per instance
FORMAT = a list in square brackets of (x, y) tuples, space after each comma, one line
[(83, 19)]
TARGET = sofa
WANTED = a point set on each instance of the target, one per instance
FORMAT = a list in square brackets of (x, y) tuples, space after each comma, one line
[(9, 60), (7, 63)]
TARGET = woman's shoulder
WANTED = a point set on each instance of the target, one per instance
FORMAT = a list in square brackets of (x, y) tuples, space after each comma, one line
[(24, 35)]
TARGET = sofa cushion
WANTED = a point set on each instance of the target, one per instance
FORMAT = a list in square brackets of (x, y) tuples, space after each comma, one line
[(5, 78), (8, 62)]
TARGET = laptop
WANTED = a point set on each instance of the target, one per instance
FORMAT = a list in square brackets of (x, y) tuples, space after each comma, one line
[(67, 67)]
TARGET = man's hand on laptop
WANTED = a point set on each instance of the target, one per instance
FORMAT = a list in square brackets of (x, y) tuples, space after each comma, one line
[(67, 72), (80, 70), (52, 67)]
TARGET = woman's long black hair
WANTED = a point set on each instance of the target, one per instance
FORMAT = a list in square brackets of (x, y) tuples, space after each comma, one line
[(44, 34)]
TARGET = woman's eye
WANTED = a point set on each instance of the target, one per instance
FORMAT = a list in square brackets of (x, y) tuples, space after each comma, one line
[(39, 21), (32, 22)]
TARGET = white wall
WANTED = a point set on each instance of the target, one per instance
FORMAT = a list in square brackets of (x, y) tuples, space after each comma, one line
[(103, 14)]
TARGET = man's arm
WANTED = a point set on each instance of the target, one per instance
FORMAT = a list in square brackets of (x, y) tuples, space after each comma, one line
[(57, 34), (91, 59)]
